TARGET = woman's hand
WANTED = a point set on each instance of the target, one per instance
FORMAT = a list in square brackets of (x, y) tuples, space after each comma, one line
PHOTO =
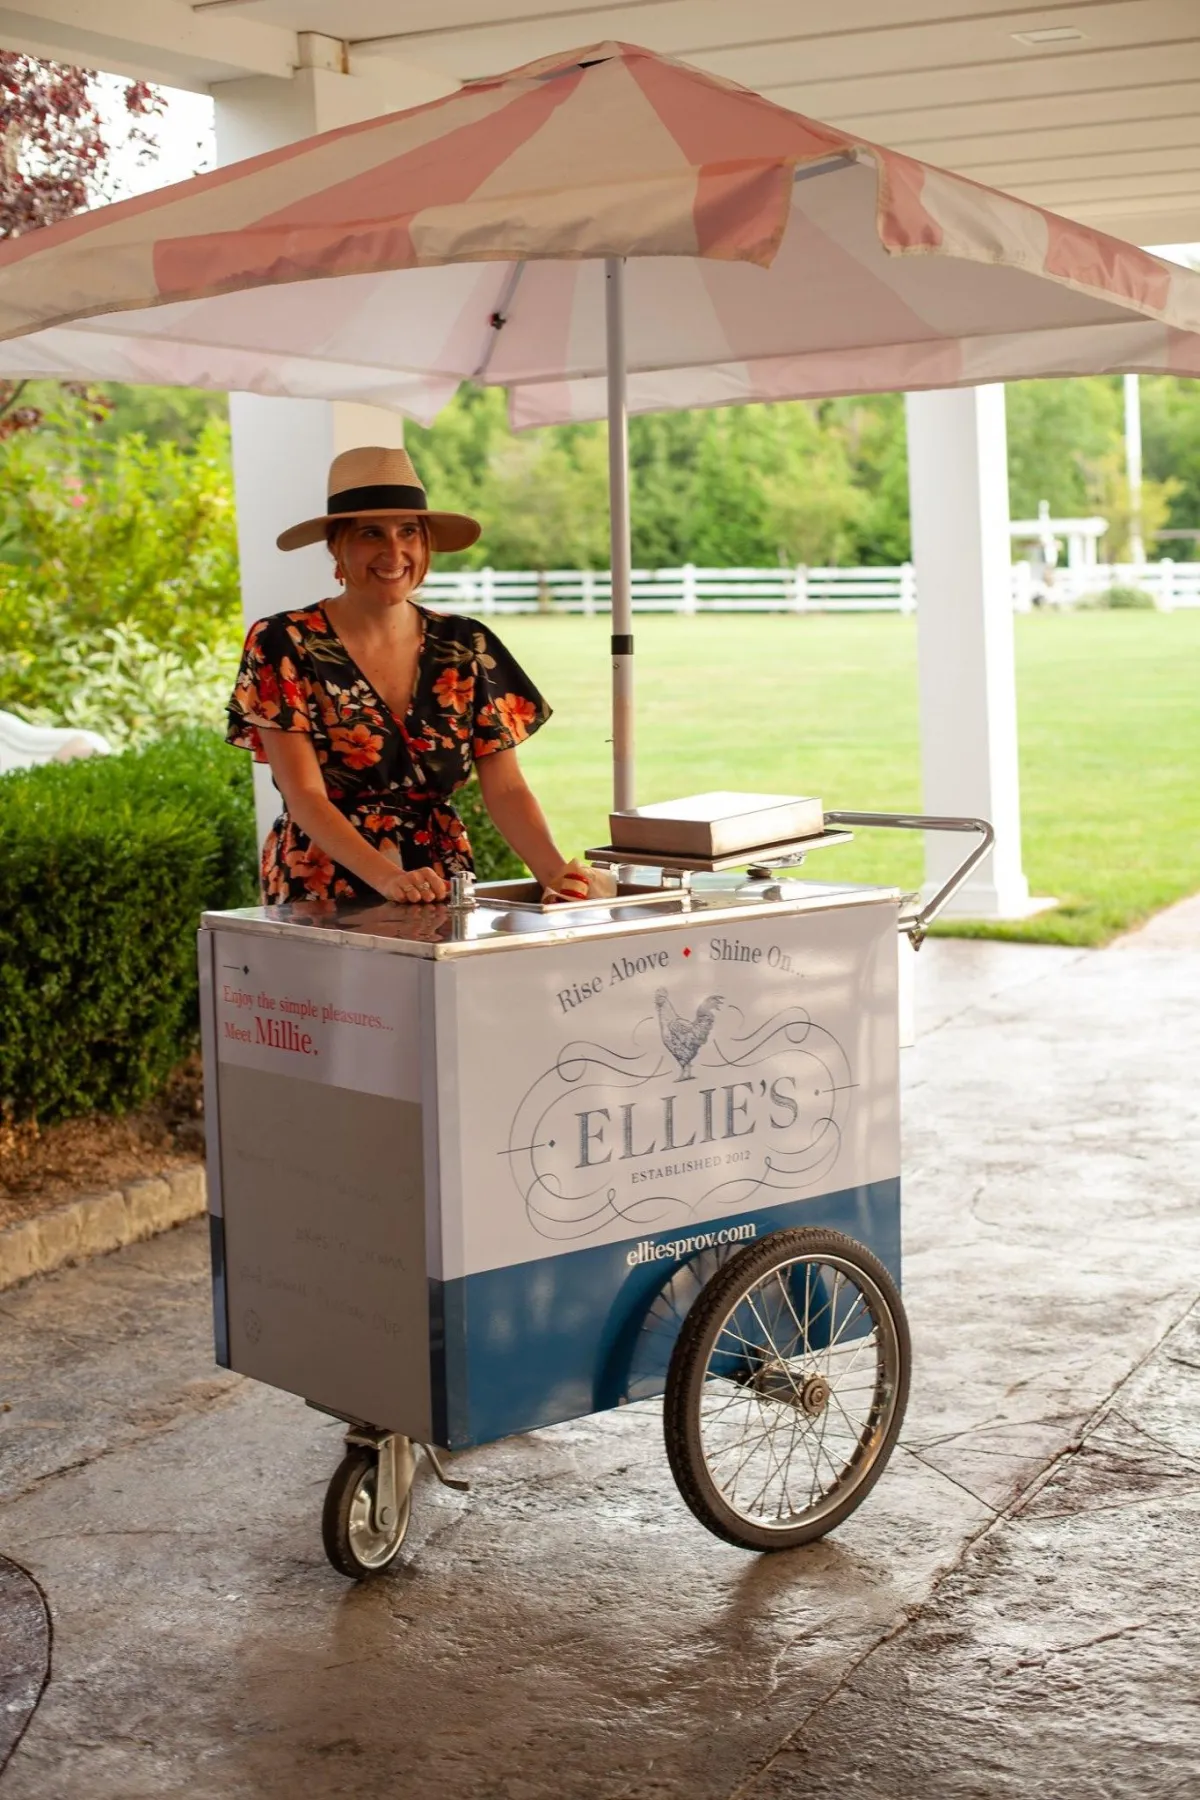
[(579, 881), (410, 887), (414, 886), (569, 882)]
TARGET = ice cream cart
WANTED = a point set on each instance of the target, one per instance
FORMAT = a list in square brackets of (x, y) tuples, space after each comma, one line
[(482, 1167)]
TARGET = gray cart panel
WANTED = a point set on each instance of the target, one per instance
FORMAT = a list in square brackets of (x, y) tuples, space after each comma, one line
[(325, 1245)]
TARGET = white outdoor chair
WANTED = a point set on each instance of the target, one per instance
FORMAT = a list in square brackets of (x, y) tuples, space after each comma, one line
[(25, 746)]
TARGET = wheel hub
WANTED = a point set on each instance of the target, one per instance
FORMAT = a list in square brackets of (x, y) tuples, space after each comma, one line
[(775, 1380), (375, 1532), (814, 1395)]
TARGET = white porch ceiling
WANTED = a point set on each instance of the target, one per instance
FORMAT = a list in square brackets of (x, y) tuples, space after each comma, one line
[(1101, 122)]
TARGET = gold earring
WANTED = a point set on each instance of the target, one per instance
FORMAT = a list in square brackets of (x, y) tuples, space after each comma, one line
[(338, 574)]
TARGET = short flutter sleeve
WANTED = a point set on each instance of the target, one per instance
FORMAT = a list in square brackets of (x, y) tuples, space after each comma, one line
[(508, 708), (269, 694)]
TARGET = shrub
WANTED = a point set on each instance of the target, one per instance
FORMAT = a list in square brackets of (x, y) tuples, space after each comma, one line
[(118, 576), (494, 861), (128, 688), (1123, 599), (105, 867), (106, 532)]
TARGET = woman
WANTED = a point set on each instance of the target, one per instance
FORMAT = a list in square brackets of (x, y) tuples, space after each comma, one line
[(371, 710)]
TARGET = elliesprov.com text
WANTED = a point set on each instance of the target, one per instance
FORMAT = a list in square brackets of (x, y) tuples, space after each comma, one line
[(675, 1249)]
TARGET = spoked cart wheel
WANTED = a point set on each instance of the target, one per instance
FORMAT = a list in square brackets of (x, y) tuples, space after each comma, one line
[(787, 1389), (368, 1503)]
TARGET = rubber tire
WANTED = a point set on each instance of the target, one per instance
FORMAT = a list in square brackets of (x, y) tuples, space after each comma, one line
[(685, 1377), (347, 1478)]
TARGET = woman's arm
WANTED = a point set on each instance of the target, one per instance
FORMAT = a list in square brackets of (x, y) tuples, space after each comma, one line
[(298, 776), (518, 817)]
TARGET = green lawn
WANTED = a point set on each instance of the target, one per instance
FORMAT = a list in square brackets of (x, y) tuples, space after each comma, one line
[(1110, 741)]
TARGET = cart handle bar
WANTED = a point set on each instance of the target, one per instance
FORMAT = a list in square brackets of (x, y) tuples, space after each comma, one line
[(917, 924)]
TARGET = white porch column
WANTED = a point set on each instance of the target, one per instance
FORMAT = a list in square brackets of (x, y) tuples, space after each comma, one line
[(282, 448), (958, 497)]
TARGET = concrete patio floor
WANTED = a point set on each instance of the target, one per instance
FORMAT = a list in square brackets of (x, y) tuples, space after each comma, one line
[(567, 1630)]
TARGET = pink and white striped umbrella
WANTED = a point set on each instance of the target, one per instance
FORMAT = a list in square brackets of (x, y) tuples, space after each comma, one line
[(602, 231), (770, 257)]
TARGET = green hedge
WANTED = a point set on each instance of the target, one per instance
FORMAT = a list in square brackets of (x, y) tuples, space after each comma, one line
[(494, 861), (1124, 599), (105, 868)]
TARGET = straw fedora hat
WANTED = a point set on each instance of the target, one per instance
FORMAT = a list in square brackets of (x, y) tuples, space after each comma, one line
[(382, 483)]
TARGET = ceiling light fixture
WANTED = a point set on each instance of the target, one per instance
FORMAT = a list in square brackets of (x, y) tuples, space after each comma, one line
[(1050, 34)]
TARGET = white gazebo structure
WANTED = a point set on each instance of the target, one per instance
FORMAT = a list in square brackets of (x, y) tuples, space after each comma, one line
[(1081, 537), (1084, 109)]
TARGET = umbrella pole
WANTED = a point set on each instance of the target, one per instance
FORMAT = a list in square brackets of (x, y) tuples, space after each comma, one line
[(621, 554)]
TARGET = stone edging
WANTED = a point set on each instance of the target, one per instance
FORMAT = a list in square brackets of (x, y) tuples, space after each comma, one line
[(96, 1223)]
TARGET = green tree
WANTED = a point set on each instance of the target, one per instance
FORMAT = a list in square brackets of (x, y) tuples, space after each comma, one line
[(824, 482), (453, 457), (740, 485), (876, 440), (96, 536), (1108, 497), (544, 503), (663, 449), (158, 413), (1057, 432), (1171, 451), (772, 484)]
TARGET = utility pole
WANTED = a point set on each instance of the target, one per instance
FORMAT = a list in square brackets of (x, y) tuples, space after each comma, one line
[(1133, 467)]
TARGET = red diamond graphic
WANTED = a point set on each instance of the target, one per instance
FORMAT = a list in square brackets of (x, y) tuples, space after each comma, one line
[(686, 951)]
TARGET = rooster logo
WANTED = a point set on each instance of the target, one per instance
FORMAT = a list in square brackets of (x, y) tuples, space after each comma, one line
[(685, 1038)]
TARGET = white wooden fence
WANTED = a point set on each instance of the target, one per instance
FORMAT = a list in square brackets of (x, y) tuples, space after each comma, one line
[(1172, 585), (686, 590), (800, 590)]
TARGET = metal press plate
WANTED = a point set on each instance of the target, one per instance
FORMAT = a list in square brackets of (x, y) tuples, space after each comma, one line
[(716, 824)]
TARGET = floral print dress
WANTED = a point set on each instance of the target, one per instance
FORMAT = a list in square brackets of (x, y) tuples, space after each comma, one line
[(391, 777)]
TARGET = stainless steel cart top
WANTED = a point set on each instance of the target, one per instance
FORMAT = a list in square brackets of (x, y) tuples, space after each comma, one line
[(503, 917)]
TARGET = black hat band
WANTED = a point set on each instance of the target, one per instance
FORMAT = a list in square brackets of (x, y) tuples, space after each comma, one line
[(379, 499)]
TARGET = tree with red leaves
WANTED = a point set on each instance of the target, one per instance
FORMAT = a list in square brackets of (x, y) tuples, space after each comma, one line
[(55, 158)]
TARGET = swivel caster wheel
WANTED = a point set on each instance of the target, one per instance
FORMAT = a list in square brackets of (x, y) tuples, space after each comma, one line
[(368, 1503)]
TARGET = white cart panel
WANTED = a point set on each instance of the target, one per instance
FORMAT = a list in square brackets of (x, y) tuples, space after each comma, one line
[(612, 1090)]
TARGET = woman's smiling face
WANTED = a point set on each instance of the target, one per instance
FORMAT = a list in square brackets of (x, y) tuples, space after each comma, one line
[(384, 558)]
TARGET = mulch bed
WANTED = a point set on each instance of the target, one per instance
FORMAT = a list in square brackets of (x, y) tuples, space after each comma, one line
[(41, 1166)]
